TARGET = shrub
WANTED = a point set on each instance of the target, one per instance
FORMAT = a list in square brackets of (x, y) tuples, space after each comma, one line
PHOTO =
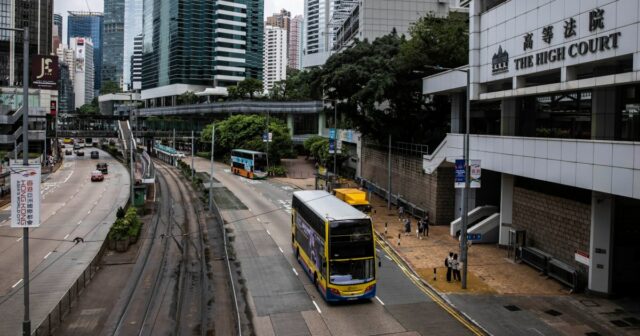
[(277, 171), (120, 213)]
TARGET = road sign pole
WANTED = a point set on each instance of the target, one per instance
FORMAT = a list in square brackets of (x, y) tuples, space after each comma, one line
[(213, 147), (26, 325)]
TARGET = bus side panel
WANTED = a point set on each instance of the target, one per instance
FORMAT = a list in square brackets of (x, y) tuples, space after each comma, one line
[(310, 240)]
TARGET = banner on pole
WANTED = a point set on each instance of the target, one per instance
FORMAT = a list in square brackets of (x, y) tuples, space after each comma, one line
[(25, 196), (459, 174), (475, 172)]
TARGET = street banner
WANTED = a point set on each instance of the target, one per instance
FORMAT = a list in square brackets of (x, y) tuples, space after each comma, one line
[(332, 133), (266, 136), (332, 146), (25, 196), (475, 172), (459, 174)]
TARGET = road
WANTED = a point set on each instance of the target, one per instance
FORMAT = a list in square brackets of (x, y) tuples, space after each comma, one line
[(284, 300), (72, 206)]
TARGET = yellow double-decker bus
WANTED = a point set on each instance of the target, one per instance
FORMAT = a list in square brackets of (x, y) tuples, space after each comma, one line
[(335, 244)]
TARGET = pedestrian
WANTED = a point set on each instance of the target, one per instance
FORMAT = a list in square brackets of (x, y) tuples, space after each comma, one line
[(448, 262), (400, 212), (419, 229), (407, 226), (456, 268), (425, 230)]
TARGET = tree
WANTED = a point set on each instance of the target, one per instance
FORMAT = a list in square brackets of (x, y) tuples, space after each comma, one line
[(245, 131), (249, 86), (187, 98), (110, 87), (91, 108)]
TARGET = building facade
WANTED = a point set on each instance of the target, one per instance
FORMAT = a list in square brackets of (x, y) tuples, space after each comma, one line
[(136, 64), (38, 16), (57, 31), (275, 56), (66, 97), (296, 31), (316, 44), (113, 41), (555, 89), (88, 25), (194, 61), (84, 70), (132, 28)]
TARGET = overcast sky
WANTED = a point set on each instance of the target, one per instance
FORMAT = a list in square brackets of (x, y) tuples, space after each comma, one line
[(63, 6)]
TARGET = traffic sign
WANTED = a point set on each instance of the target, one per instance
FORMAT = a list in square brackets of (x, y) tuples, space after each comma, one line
[(474, 236)]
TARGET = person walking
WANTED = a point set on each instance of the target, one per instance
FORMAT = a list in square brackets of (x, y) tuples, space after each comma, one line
[(425, 230), (407, 226), (455, 265), (448, 262), (400, 212), (420, 229)]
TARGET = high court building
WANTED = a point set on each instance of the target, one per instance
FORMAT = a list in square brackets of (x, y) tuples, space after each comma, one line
[(555, 123)]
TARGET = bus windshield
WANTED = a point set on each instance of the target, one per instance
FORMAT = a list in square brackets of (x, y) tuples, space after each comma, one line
[(260, 162), (349, 272), (351, 239)]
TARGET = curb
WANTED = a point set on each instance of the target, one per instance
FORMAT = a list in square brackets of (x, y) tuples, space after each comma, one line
[(427, 284)]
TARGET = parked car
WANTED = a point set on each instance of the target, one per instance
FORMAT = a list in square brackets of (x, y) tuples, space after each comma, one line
[(79, 153), (68, 152), (95, 155), (97, 176), (103, 167)]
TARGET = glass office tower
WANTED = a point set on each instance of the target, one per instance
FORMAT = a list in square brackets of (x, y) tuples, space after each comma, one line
[(88, 24), (113, 42)]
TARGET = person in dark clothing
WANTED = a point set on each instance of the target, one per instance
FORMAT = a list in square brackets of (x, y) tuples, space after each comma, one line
[(425, 230), (448, 262)]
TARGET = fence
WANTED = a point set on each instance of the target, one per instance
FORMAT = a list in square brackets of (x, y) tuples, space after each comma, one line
[(55, 317)]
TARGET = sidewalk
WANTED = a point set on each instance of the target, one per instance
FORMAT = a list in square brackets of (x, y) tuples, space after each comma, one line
[(504, 297)]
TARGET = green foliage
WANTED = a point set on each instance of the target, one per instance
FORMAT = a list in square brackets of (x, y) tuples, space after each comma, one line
[(120, 213), (109, 87), (312, 140), (245, 131), (277, 171), (187, 98)]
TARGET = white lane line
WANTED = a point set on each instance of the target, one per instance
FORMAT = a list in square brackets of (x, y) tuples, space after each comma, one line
[(258, 219), (19, 239), (68, 177), (79, 222), (386, 256), (48, 254), (88, 212), (377, 298), (65, 237), (317, 308), (280, 248), (402, 268), (294, 271), (16, 284), (269, 233)]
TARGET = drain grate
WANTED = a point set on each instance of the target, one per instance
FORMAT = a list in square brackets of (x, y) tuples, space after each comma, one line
[(512, 308), (632, 320), (553, 312), (620, 323)]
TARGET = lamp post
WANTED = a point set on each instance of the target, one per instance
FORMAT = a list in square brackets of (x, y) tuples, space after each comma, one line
[(26, 324), (465, 190), (213, 148)]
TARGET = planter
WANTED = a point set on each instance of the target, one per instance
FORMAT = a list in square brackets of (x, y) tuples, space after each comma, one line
[(111, 245), (133, 239), (122, 245)]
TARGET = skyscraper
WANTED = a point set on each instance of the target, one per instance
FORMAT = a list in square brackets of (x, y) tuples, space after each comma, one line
[(136, 64), (193, 61), (88, 24), (57, 24), (38, 16), (113, 41), (132, 28), (296, 37), (84, 70), (282, 20), (275, 56)]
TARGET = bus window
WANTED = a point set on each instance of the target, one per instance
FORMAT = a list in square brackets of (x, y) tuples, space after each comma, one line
[(351, 272)]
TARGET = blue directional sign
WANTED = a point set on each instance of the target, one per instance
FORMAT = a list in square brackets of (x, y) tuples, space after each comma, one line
[(459, 174), (332, 133), (332, 146), (474, 236)]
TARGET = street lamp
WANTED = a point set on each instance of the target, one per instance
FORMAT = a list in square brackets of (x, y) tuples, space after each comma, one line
[(26, 324), (465, 190)]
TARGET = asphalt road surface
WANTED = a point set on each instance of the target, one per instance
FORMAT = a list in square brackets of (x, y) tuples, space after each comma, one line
[(71, 206), (284, 300)]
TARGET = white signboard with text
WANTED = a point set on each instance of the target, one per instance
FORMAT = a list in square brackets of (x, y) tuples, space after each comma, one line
[(25, 196)]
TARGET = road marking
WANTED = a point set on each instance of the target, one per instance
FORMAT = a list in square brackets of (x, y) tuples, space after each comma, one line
[(68, 177), (386, 256), (48, 254), (294, 271), (88, 212), (65, 237), (16, 284), (377, 298), (269, 233), (258, 219), (280, 248), (19, 239), (317, 308)]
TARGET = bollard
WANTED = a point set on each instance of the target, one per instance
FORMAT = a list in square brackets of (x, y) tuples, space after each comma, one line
[(399, 239), (385, 228), (434, 274)]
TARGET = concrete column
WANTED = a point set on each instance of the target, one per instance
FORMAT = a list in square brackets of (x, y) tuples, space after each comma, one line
[(567, 74), (458, 110), (603, 113), (506, 208), (636, 61), (508, 114), (600, 245), (322, 120), (290, 123), (518, 82)]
